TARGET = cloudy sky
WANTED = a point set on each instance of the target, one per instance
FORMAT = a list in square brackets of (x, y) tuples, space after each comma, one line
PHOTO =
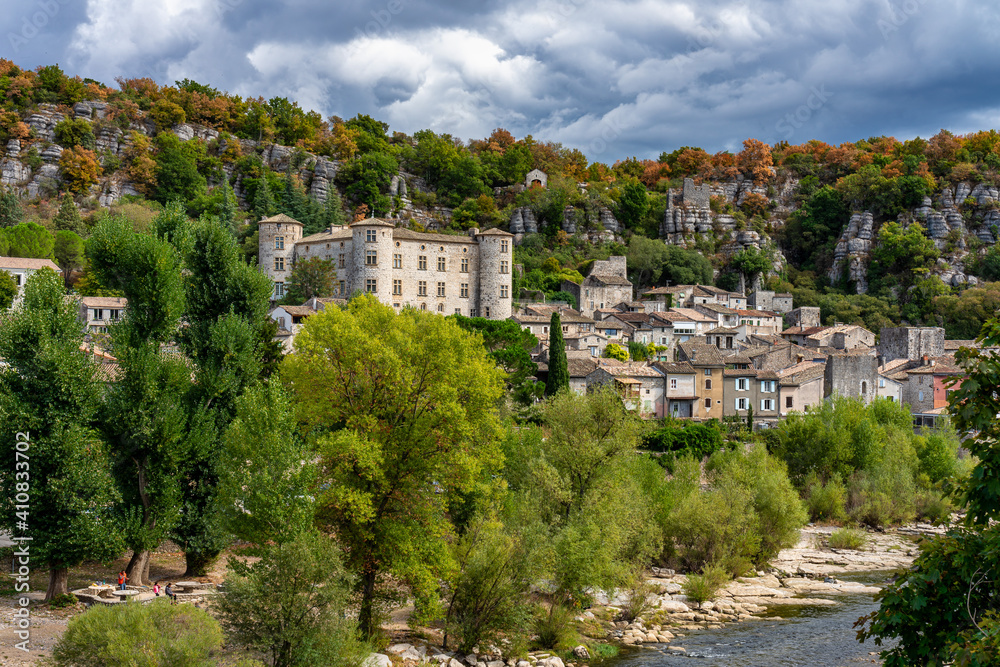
[(613, 78)]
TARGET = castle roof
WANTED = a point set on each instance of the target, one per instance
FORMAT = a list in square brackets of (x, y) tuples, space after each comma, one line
[(373, 222), (495, 232), (410, 235), (282, 218)]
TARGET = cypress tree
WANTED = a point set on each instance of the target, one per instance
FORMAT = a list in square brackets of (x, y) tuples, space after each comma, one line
[(558, 377)]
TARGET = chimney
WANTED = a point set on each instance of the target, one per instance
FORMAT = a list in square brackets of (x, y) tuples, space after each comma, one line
[(926, 360)]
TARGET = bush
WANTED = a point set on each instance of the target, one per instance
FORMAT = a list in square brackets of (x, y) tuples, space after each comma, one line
[(931, 507), (162, 634), (702, 587), (685, 439), (848, 538), (826, 502), (715, 526), (639, 599)]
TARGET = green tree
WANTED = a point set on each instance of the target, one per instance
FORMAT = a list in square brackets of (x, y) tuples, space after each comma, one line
[(8, 290), (633, 202), (265, 472), (312, 276), (226, 336), (508, 345), (30, 239), (69, 253), (177, 174), (408, 409), (646, 259), (751, 262), (11, 212), (68, 217), (263, 200), (290, 605), (685, 267), (48, 402), (558, 375), (77, 132), (899, 257), (144, 416), (615, 351), (366, 180), (151, 635)]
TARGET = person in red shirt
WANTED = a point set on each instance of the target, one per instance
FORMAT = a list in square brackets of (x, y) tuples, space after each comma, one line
[(122, 578)]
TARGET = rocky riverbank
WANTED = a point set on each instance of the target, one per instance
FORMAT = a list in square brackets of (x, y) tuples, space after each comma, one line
[(806, 574)]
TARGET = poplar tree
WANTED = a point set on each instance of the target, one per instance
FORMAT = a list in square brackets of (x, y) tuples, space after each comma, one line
[(57, 488)]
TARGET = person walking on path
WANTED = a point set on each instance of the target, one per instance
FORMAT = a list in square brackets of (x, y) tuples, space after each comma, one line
[(156, 589)]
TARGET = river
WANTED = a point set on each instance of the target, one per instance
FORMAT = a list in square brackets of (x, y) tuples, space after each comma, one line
[(811, 636)]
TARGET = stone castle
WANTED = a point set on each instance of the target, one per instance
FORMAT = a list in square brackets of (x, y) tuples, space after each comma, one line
[(468, 275)]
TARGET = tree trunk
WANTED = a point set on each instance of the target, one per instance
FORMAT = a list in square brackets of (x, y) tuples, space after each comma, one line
[(198, 563), (138, 568), (58, 582), (366, 616)]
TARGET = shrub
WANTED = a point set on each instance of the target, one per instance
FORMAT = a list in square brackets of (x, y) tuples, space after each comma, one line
[(848, 538), (825, 502), (162, 634), (70, 133), (62, 600), (638, 599), (931, 507), (715, 526), (685, 438), (554, 627), (702, 587), (79, 168)]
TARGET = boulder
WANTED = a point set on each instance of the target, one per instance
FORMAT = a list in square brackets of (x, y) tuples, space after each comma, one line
[(377, 660), (581, 652)]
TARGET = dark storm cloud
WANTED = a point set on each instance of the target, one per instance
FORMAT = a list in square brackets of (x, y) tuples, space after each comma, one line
[(613, 78)]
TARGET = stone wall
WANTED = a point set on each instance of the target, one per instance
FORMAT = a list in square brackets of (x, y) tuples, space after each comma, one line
[(291, 233), (910, 343)]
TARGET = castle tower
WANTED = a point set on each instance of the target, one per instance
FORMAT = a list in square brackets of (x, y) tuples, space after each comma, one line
[(371, 258), (496, 262), (276, 249)]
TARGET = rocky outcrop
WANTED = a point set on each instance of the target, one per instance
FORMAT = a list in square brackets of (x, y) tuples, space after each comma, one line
[(44, 122), (608, 221), (852, 251)]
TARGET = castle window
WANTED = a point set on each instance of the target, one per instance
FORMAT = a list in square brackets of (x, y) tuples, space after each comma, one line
[(422, 288), (487, 312), (441, 264), (708, 384), (422, 262), (397, 261), (473, 312), (342, 290), (465, 265), (423, 306), (341, 244), (371, 285), (397, 287), (279, 263), (423, 247), (504, 246), (440, 289), (788, 401), (504, 266), (464, 291), (279, 290), (279, 242), (371, 257), (341, 261), (307, 249), (440, 307), (371, 235), (327, 246), (504, 292), (864, 388), (708, 404)]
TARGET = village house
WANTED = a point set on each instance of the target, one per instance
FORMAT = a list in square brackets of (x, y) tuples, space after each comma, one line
[(800, 386), (99, 312), (680, 398), (709, 365), (607, 284), (639, 384), (21, 268)]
